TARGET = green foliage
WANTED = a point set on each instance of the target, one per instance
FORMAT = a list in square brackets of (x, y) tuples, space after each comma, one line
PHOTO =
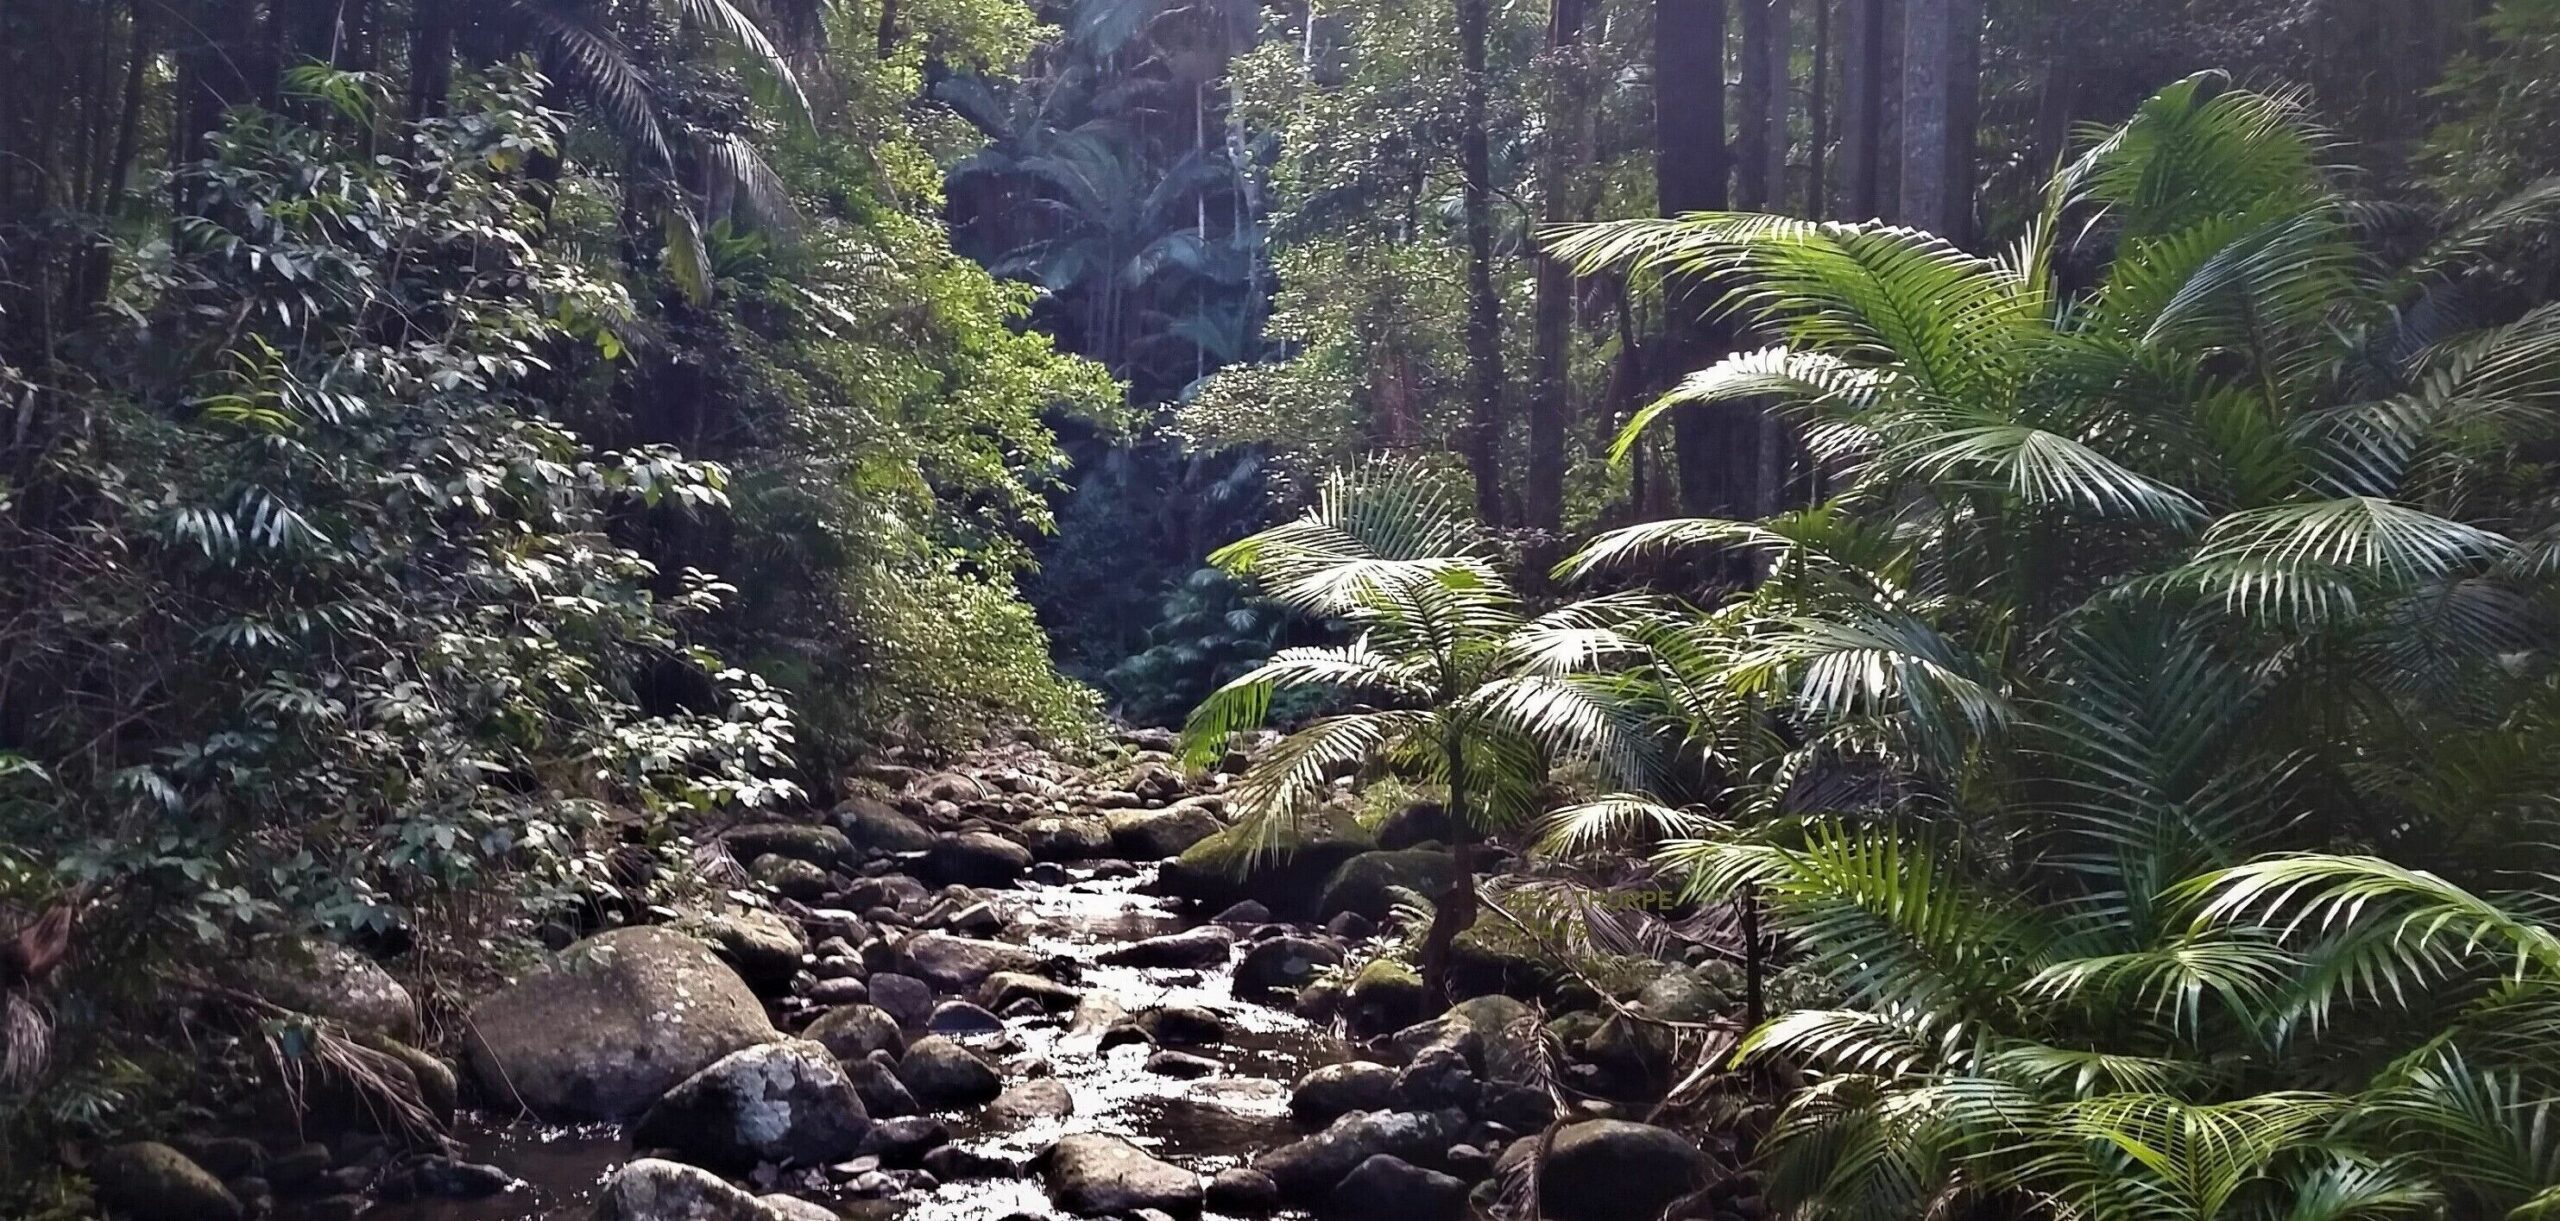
[(2059, 727)]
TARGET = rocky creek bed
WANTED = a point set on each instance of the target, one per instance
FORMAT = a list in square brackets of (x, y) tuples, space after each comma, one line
[(1014, 990)]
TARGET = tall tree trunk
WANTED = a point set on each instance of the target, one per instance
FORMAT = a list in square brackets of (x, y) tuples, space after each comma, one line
[(888, 37), (1760, 140), (1455, 910), (1862, 93), (1550, 405), (1691, 165), (1941, 42), (430, 58), (1817, 188), (1484, 309)]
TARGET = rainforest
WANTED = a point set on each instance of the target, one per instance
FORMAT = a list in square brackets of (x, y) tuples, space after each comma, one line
[(1352, 610)]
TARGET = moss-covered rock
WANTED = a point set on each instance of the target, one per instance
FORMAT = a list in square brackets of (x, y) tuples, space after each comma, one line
[(1233, 865), (1364, 885), (1386, 995), (149, 1181)]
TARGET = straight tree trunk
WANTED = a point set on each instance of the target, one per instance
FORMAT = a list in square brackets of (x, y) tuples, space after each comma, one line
[(1862, 93), (1760, 143), (1818, 116), (1691, 167), (1550, 405), (1941, 41), (1484, 309)]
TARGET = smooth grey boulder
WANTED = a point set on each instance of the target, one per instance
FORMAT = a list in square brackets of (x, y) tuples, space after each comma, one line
[(1030, 1101), (943, 1075), (1364, 885), (653, 1189), (1153, 835), (855, 1031), (1282, 965), (1094, 1175), (787, 1103), (875, 826), (1059, 838), (1201, 948), (1307, 1170), (150, 1181), (762, 947), (1389, 1188), (1336, 1090), (824, 847), (1606, 1169), (976, 858), (960, 964)]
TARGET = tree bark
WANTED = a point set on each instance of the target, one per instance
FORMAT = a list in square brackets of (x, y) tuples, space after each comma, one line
[(1760, 143), (1484, 309), (1941, 41), (1862, 92), (1550, 406), (1817, 188), (1691, 166)]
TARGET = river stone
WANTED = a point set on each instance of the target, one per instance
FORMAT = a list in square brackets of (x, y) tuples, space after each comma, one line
[(976, 858), (959, 964), (1246, 914), (793, 1208), (149, 1181), (1389, 1188), (653, 1189), (1363, 884), (1202, 947), (1235, 865), (1421, 822), (1509, 1030), (1180, 1024), (1093, 1175), (329, 980), (824, 847), (904, 997), (852, 1032), (1239, 1192), (1066, 839), (1005, 988), (1335, 1090), (787, 1103), (943, 1075), (1153, 835), (761, 946), (1282, 965), (905, 1140), (1386, 995), (1183, 1065), (875, 827), (949, 786), (1308, 1169), (1026, 1102), (1639, 1053), (875, 1081), (961, 1017), (791, 877), (1608, 1169), (611, 1024)]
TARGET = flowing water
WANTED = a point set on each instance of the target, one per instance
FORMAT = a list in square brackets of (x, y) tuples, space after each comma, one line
[(1205, 1125)]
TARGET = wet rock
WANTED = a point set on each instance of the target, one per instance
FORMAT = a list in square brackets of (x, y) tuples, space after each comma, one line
[(1005, 988), (876, 827), (1386, 995), (943, 1075), (903, 997), (793, 1208), (448, 1179), (1493, 957), (762, 947), (1092, 1175), (1244, 915), (150, 1181), (890, 890), (1389, 1188), (610, 1026), (793, 879), (1422, 822), (852, 1032), (905, 1140), (961, 1017), (787, 1103), (1607, 1169), (977, 859), (1363, 883), (1308, 1169), (652, 1189), (329, 980), (952, 1163), (974, 920), (1468, 1162), (949, 786), (1283, 965), (1066, 839), (1183, 1064), (1443, 1074), (1183, 1025), (824, 847), (1203, 947), (224, 1157), (839, 991), (295, 1169), (1509, 1032), (959, 964), (1520, 1108), (1156, 782), (1150, 738), (1318, 1002), (1239, 1192), (1153, 835), (1350, 926), (1335, 1090), (875, 1081), (1637, 1054), (1026, 1102), (333, 1208), (1226, 868)]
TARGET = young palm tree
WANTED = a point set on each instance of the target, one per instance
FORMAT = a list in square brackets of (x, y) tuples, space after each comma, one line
[(1447, 679), (2233, 549)]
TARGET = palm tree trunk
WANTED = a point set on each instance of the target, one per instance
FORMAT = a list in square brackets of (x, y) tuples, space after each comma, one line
[(1455, 911), (1484, 309), (1818, 115)]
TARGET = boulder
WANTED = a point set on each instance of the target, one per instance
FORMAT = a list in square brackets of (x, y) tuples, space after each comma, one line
[(1386, 995), (1026, 1102), (876, 827), (1239, 1192), (959, 964), (875, 1081), (976, 858), (1509, 1030), (1093, 1175), (1443, 1074), (1335, 1090), (651, 1189), (1153, 835), (943, 1075), (1638, 1054), (610, 1025), (824, 847), (1155, 781), (1066, 839), (787, 1103), (1307, 1170), (149, 1181), (1188, 1025), (1202, 947), (1183, 1064), (1389, 1188), (1235, 864), (329, 980), (1282, 965), (1362, 884), (1609, 1169), (1005, 988), (905, 1140), (762, 947), (851, 1032), (903, 997), (1246, 914), (1418, 823), (949, 786), (961, 1017), (792, 878)]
